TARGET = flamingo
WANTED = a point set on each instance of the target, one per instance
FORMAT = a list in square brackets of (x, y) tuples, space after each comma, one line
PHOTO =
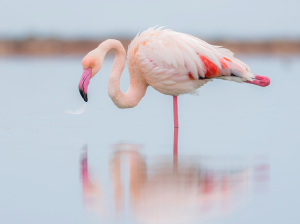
[(172, 63)]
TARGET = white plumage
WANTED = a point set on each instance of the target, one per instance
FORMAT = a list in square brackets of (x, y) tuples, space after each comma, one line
[(175, 63)]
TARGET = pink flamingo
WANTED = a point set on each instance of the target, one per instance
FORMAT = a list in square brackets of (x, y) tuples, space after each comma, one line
[(172, 63)]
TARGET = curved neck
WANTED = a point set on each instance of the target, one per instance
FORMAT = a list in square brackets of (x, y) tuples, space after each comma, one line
[(137, 88)]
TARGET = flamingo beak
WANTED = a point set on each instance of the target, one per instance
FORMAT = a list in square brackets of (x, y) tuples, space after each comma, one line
[(84, 82), (262, 81)]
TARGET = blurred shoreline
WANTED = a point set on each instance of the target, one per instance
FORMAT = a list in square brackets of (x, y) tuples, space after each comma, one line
[(58, 47)]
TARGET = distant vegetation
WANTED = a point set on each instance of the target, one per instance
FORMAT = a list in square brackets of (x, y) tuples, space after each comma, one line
[(56, 47)]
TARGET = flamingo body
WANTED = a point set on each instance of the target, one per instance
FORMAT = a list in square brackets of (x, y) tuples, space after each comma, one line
[(172, 63), (175, 63)]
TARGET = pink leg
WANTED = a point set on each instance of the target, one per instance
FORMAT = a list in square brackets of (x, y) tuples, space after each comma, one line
[(175, 110), (175, 149)]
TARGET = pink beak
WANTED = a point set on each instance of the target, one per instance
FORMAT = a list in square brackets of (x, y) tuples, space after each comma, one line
[(262, 81), (84, 82)]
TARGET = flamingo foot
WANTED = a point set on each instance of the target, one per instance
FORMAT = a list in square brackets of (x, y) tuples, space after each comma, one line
[(262, 81)]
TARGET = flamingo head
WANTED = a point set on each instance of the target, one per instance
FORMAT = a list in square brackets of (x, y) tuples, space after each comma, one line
[(90, 67)]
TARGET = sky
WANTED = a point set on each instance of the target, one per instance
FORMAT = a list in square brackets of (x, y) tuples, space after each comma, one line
[(253, 19)]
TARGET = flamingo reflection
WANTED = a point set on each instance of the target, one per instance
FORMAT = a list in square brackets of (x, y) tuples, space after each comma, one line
[(172, 191), (169, 191)]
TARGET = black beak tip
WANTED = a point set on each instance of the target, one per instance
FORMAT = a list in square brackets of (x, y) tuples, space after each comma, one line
[(85, 98), (83, 95)]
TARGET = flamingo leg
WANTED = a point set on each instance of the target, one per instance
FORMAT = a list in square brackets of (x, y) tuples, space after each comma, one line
[(175, 149), (175, 111)]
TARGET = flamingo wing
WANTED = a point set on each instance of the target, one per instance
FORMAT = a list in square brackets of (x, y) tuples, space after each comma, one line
[(167, 58)]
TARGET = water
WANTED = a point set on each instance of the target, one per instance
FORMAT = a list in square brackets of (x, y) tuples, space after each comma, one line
[(42, 147)]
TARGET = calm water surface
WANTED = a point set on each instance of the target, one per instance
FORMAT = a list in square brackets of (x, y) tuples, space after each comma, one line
[(238, 149)]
